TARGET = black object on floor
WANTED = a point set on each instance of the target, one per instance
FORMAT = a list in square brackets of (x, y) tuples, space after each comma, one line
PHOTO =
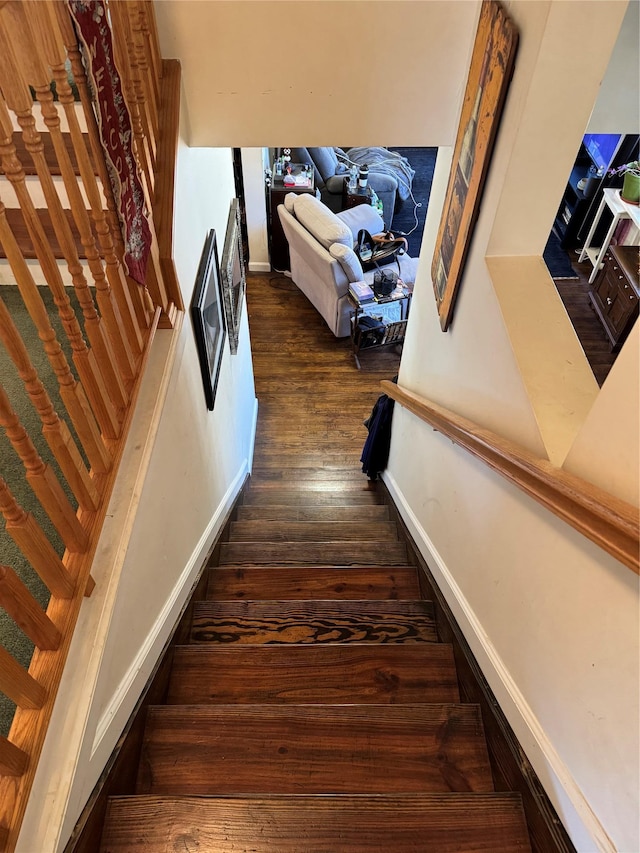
[(375, 452), (423, 160), (557, 260)]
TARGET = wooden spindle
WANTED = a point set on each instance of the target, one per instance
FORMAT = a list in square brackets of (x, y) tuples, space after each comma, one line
[(43, 481), (47, 38), (90, 376), (124, 49), (147, 111), (55, 430), (13, 761), (149, 33), (18, 685), (17, 96), (151, 96), (29, 537), (17, 32), (58, 11), (26, 612)]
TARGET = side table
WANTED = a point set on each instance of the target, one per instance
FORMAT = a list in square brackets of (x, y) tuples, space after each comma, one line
[(278, 246), (389, 315), (352, 198), (620, 210)]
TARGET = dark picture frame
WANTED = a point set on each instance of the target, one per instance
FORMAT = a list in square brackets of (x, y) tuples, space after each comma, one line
[(490, 73), (208, 318), (232, 273)]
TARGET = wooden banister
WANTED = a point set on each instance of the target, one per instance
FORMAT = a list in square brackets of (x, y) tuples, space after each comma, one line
[(68, 167), (599, 516)]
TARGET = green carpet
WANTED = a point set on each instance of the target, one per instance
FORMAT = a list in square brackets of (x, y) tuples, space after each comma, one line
[(12, 469)]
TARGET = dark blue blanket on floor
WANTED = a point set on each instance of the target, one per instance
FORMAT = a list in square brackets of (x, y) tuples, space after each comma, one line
[(375, 453)]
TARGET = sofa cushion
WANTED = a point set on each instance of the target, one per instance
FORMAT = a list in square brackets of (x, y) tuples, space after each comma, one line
[(361, 216), (326, 161), (321, 222), (348, 261), (290, 202)]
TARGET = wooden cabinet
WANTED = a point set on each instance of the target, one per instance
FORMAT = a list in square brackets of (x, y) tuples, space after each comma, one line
[(615, 292), (278, 246)]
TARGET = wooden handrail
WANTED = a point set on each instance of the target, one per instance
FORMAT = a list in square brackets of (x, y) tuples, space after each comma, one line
[(603, 518)]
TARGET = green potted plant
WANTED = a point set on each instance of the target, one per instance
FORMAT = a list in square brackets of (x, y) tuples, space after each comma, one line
[(630, 191)]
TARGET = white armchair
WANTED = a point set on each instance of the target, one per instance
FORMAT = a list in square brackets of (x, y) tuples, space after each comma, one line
[(323, 262)]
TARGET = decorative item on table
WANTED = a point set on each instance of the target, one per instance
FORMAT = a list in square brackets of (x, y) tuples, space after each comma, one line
[(630, 191), (353, 178), (384, 283)]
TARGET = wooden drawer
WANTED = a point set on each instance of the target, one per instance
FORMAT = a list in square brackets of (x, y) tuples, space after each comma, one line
[(614, 293)]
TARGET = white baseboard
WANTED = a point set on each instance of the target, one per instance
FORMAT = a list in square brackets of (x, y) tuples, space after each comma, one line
[(124, 698), (562, 789), (259, 266)]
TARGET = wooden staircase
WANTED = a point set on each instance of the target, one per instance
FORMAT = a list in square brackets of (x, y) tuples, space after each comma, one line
[(313, 708)]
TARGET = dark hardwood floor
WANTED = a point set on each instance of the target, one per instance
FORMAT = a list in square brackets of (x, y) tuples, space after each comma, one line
[(575, 297), (310, 705)]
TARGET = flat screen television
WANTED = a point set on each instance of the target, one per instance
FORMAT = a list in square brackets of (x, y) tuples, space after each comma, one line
[(601, 147)]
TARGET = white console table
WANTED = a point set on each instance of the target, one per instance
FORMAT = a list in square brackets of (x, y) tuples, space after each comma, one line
[(621, 210)]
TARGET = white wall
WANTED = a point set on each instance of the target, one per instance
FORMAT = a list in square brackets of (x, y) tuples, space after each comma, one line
[(552, 619), (617, 109), (264, 73), (254, 163), (176, 485)]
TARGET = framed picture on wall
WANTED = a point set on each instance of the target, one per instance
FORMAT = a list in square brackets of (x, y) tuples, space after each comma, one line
[(233, 275), (208, 318), (489, 77)]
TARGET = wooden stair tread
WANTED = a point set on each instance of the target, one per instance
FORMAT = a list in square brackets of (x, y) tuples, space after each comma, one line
[(298, 531), (369, 514), (49, 152), (351, 553), (304, 477), (17, 224), (313, 749), (443, 823), (282, 496), (382, 674), (306, 582), (313, 622)]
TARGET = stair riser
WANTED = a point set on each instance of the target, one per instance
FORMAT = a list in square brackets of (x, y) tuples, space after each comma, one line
[(305, 622), (387, 674), (319, 497), (357, 553), (304, 582), (313, 531), (442, 824), (311, 751), (365, 514)]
